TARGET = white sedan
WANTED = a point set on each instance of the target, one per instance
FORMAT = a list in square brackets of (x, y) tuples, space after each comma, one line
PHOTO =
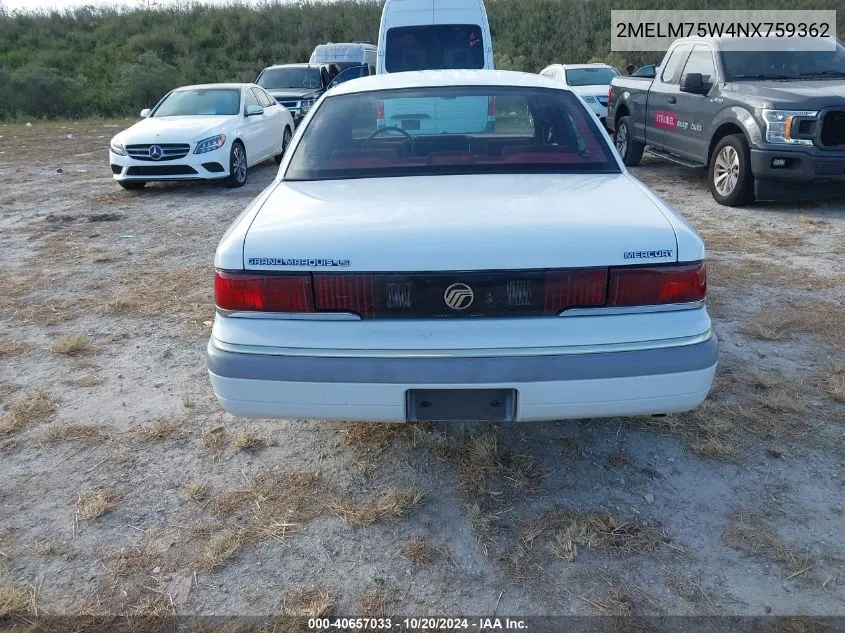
[(590, 81), (213, 131), (511, 274)]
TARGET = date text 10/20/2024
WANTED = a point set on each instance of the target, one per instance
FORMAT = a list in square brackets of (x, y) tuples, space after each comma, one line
[(417, 624)]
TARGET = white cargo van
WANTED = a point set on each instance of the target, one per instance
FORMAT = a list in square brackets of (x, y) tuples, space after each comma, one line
[(346, 55), (436, 35)]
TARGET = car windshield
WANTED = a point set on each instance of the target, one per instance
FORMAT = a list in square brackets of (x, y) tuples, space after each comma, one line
[(281, 78), (434, 47), (590, 76), (200, 102), (784, 64), (450, 130)]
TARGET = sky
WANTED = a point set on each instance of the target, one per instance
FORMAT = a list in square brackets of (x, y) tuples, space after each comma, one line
[(68, 4)]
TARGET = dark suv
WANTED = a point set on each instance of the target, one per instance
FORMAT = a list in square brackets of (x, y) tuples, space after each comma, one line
[(295, 86)]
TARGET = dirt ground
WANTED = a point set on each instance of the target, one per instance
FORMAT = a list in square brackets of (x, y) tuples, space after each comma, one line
[(124, 487)]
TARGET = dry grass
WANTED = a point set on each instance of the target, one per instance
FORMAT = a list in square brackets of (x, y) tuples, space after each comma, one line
[(26, 411), (96, 503), (58, 432), (197, 490), (15, 601), (477, 462), (184, 293), (9, 347), (375, 438), (221, 548), (215, 441), (720, 429), (307, 603), (824, 319), (833, 383), (270, 508), (565, 531), (618, 460), (72, 345), (158, 431), (765, 380), (766, 547), (572, 449), (374, 604), (91, 380), (251, 443), (420, 551), (131, 560), (387, 505), (738, 272)]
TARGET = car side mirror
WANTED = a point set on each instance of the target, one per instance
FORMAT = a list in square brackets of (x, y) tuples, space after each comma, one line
[(145, 113), (693, 83), (254, 110)]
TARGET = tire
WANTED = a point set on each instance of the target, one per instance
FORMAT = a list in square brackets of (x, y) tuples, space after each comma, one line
[(729, 176), (237, 166), (630, 150), (132, 185), (285, 142)]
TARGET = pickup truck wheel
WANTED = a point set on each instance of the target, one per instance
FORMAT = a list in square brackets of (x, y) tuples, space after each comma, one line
[(730, 178), (630, 150)]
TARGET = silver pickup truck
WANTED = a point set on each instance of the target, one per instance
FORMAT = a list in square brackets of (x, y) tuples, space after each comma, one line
[(766, 124)]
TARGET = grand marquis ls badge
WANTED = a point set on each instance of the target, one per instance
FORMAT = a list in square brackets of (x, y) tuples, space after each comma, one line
[(459, 296)]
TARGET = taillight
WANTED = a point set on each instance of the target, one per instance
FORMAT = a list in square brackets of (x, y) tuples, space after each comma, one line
[(574, 288), (491, 106), (345, 293), (380, 112), (263, 292), (609, 90), (657, 285)]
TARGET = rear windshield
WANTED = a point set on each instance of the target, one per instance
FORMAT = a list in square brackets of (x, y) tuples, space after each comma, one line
[(590, 76), (434, 47), (280, 78), (450, 130)]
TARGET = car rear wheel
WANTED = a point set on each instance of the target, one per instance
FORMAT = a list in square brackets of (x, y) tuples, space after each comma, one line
[(730, 178), (132, 185), (630, 150), (285, 142)]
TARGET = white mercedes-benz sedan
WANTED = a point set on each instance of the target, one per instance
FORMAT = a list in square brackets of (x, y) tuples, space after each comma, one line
[(213, 131), (505, 272)]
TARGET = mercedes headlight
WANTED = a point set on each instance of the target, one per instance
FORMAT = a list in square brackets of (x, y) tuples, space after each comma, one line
[(117, 148), (210, 144), (590, 99), (782, 126), (305, 105)]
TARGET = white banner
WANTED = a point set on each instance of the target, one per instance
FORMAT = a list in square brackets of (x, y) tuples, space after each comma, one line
[(763, 30)]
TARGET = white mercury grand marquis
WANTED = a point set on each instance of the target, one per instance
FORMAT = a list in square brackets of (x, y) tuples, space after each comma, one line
[(505, 270), (207, 132)]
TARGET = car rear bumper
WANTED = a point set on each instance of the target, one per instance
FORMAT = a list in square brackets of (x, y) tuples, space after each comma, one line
[(825, 173), (553, 387)]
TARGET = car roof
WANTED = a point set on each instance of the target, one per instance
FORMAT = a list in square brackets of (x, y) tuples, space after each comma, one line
[(209, 86), (433, 78), (297, 65), (590, 65)]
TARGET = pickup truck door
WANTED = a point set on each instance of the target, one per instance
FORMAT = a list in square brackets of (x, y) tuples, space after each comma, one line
[(690, 138), (662, 109)]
